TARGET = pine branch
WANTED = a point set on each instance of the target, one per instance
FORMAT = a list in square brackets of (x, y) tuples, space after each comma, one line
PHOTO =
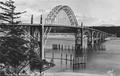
[(7, 4), (2, 3), (10, 3), (4, 8), (16, 17), (7, 20), (18, 13), (6, 14)]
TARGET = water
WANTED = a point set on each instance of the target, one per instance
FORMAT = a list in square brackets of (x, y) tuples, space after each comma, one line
[(104, 59), (63, 58), (107, 60)]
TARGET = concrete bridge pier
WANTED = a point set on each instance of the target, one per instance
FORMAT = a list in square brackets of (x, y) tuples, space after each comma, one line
[(78, 60), (103, 38)]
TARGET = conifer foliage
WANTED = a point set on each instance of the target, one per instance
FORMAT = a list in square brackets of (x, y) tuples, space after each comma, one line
[(9, 15), (13, 49), (13, 45)]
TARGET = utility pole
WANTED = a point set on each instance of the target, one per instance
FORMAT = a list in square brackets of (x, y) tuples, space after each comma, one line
[(42, 36), (41, 43), (31, 19), (82, 36)]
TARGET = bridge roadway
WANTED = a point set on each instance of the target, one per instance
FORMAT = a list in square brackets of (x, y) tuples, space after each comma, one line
[(59, 26), (73, 27), (67, 29), (93, 35)]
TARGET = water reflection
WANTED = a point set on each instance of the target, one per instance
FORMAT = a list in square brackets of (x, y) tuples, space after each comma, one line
[(65, 60)]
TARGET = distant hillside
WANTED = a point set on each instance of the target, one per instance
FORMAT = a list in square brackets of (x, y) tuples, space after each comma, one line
[(109, 29), (107, 25)]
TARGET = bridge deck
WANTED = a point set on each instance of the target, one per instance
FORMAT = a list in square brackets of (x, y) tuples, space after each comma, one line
[(60, 26)]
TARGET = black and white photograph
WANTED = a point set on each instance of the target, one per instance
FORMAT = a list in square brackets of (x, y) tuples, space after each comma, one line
[(59, 37)]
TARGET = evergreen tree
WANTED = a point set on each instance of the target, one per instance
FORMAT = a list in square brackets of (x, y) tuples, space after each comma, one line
[(9, 15), (13, 51)]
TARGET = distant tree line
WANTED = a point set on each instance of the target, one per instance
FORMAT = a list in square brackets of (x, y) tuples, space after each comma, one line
[(109, 29)]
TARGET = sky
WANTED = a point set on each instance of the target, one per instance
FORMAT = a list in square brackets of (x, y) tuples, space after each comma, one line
[(90, 12)]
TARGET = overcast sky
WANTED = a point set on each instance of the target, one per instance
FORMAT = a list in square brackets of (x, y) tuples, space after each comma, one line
[(91, 12)]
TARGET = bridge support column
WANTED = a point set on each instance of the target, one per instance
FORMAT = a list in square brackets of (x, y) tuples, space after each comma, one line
[(97, 41), (78, 43), (79, 59), (89, 44), (92, 41), (103, 37)]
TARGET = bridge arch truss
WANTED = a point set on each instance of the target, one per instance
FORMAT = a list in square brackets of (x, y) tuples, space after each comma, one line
[(53, 13)]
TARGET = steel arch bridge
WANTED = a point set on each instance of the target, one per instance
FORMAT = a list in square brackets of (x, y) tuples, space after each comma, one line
[(41, 31), (93, 36)]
